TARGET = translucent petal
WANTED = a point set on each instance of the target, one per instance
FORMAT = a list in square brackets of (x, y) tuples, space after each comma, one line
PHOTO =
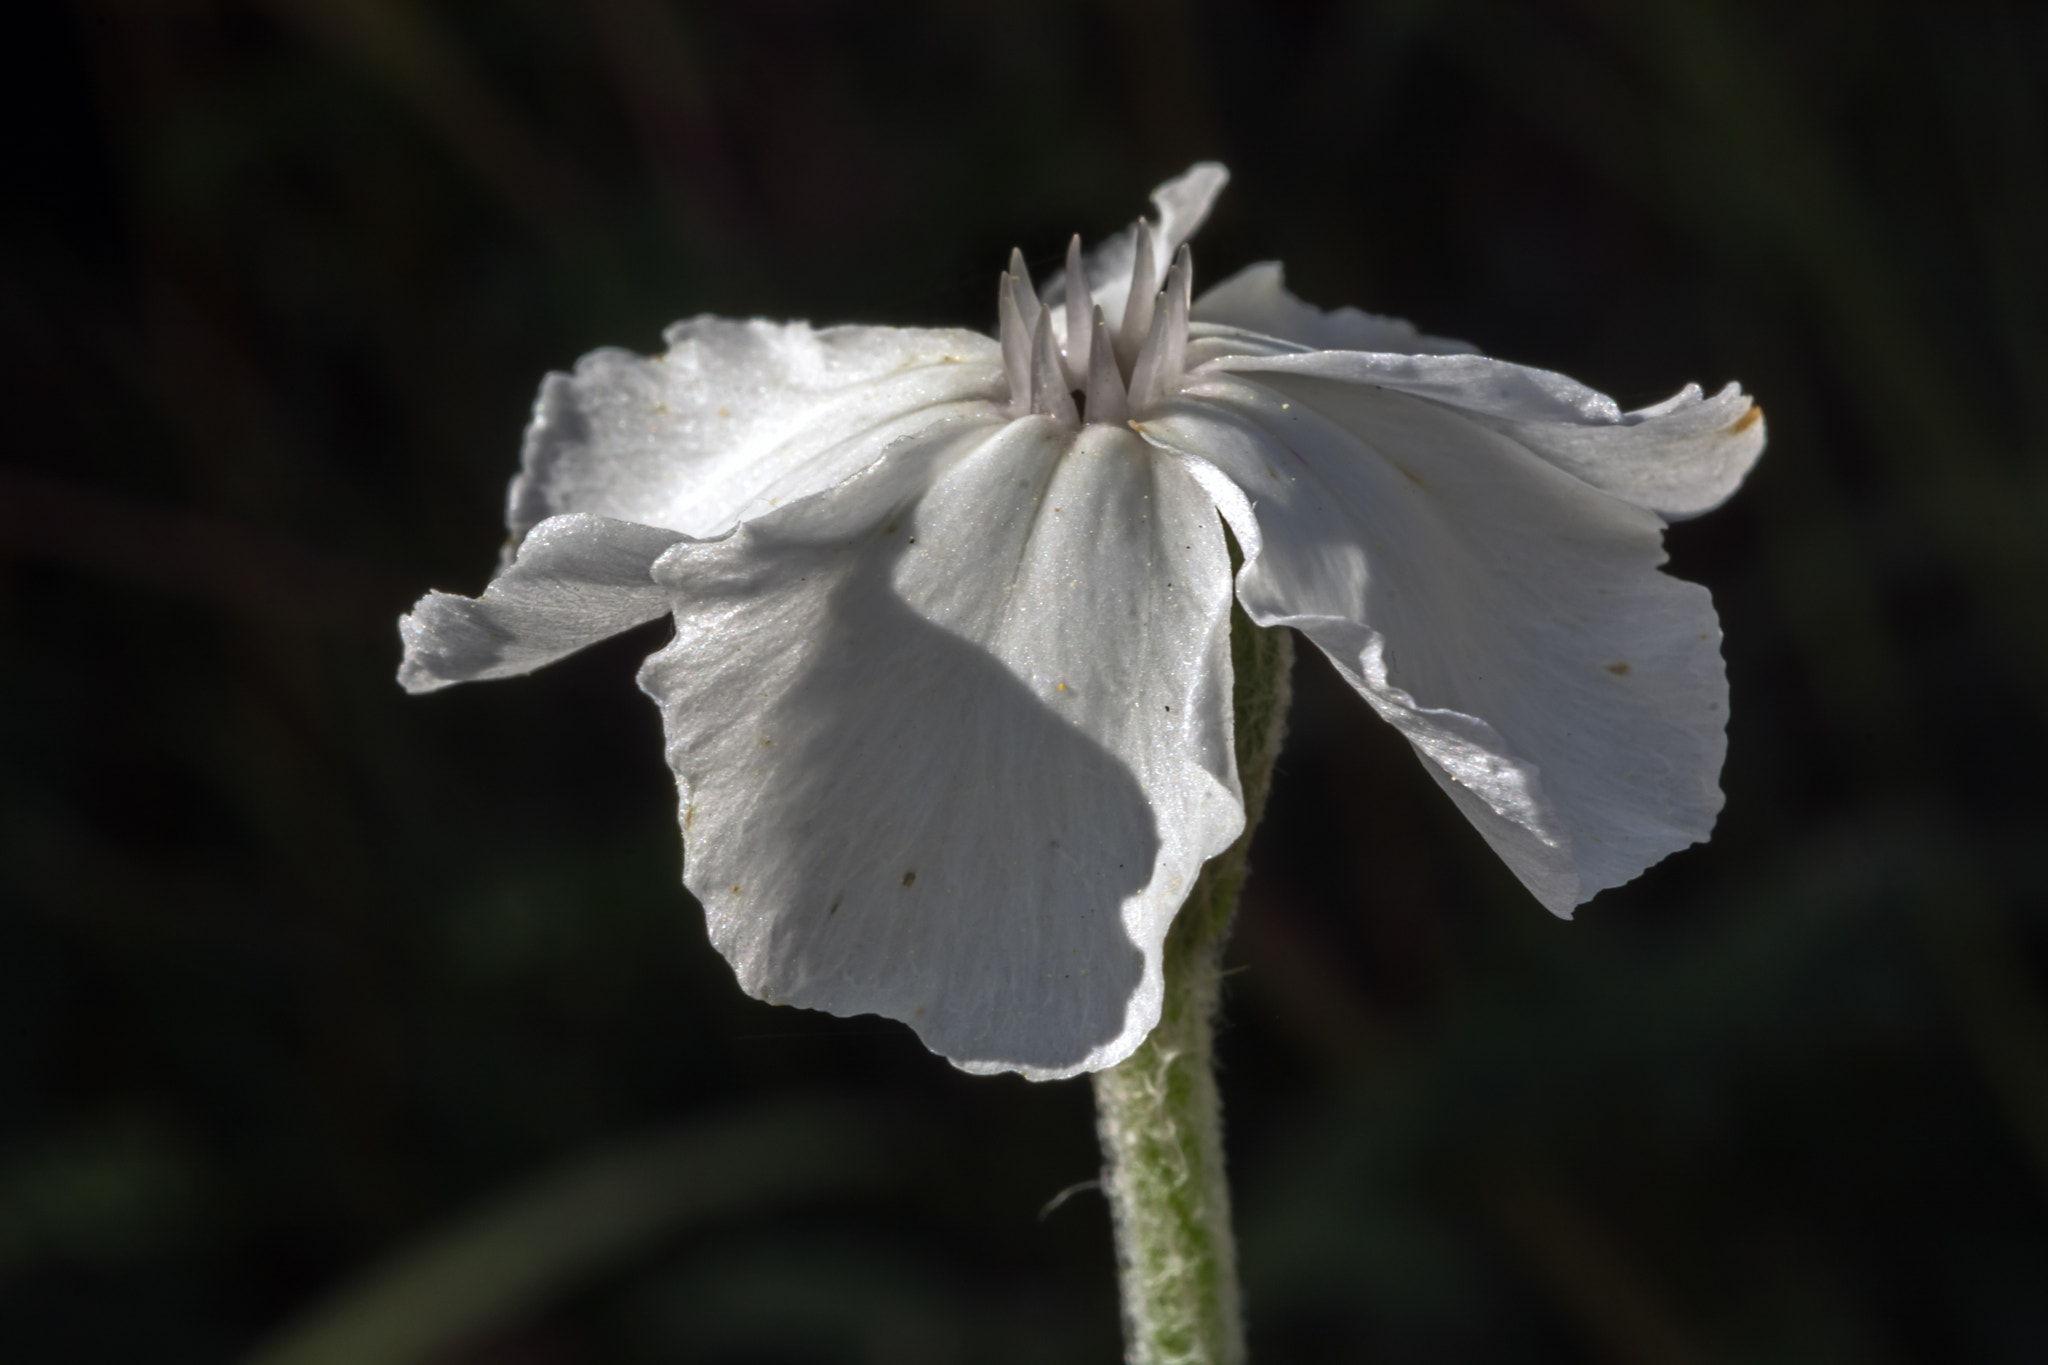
[(1256, 299), (1679, 458), (736, 418), (1507, 617), (575, 580), (1183, 204), (953, 740)]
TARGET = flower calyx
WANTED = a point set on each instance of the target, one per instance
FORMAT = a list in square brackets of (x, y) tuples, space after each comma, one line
[(1064, 362)]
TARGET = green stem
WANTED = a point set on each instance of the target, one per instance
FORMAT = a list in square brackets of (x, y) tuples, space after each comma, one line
[(1157, 1112)]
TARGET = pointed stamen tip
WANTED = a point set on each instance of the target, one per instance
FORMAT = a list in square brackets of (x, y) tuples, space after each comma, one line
[(1108, 402), (1181, 278), (1050, 392)]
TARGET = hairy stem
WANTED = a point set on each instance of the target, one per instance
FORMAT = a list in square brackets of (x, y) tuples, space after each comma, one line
[(1157, 1112)]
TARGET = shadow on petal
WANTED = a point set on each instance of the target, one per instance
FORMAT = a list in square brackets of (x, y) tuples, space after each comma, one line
[(881, 817)]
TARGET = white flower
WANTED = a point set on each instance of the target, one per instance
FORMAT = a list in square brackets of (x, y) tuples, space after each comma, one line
[(949, 699)]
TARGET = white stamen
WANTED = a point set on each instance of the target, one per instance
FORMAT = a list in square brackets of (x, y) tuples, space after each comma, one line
[(1130, 372), (1018, 308), (1080, 304), (1016, 338), (1160, 362), (1019, 286), (1049, 393), (1107, 403), (1138, 305)]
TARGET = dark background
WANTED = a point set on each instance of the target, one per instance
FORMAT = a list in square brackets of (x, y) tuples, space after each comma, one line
[(299, 974)]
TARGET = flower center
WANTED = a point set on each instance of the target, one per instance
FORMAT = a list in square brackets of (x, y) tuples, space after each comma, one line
[(1065, 361)]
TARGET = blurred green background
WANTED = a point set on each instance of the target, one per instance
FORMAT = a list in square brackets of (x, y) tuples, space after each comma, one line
[(379, 1029)]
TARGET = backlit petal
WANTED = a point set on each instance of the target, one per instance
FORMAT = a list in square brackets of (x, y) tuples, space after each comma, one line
[(1678, 458), (953, 740), (574, 581), (736, 418), (1256, 299), (1181, 206), (1507, 617)]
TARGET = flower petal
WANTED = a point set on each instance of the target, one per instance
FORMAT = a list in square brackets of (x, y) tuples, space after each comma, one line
[(1256, 299), (953, 740), (574, 581), (1183, 204), (1677, 458), (737, 417), (1505, 616)]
